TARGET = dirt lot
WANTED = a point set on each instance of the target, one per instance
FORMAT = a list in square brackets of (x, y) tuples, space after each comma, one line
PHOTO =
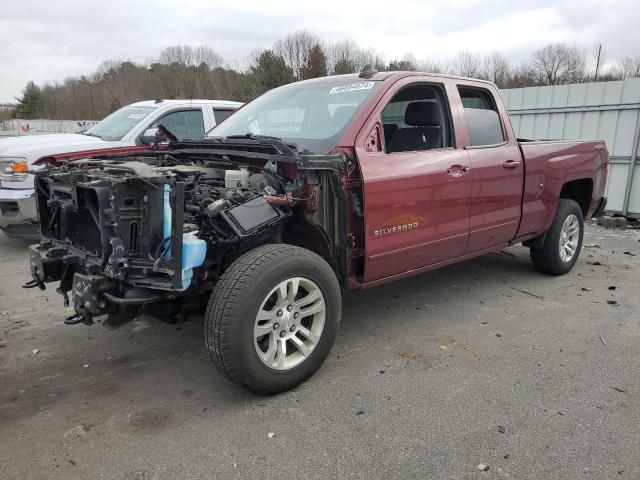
[(482, 362)]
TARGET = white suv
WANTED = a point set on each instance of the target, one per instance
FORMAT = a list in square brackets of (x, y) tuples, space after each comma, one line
[(132, 125)]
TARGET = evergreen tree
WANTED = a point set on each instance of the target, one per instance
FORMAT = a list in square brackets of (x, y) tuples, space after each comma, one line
[(316, 64), (30, 105), (270, 70)]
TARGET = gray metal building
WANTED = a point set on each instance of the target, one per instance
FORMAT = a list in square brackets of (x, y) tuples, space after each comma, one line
[(607, 111)]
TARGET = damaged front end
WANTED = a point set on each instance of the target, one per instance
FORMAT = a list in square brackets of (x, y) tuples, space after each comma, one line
[(120, 235)]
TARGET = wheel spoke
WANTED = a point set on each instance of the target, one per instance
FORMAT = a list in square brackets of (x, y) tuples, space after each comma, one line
[(312, 337), (309, 298), (264, 315), (282, 292), (281, 353), (312, 310), (262, 330), (301, 346), (270, 354), (293, 286)]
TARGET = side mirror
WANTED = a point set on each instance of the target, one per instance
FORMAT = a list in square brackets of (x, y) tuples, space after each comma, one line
[(149, 136)]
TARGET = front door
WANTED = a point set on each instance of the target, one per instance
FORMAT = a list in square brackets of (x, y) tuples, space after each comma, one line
[(417, 188)]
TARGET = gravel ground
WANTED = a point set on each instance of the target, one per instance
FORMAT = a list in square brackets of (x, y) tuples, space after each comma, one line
[(484, 362)]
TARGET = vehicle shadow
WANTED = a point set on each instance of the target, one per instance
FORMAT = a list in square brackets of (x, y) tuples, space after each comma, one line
[(148, 355)]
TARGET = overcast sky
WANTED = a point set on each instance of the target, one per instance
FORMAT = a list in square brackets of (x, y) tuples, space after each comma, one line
[(45, 40)]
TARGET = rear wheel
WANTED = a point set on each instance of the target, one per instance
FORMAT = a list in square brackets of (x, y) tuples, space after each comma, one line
[(273, 318), (563, 240)]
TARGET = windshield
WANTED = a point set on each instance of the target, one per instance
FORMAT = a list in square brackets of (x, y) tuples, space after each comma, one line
[(312, 115), (119, 123)]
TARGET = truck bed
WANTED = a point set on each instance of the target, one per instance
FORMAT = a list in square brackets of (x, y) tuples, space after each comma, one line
[(550, 164)]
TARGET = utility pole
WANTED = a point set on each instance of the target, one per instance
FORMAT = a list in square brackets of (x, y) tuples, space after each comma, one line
[(595, 78)]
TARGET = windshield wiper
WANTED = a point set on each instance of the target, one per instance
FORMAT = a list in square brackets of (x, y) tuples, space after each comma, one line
[(91, 134), (253, 136)]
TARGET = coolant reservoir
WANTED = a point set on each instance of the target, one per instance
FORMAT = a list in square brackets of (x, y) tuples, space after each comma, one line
[(194, 251), (236, 178)]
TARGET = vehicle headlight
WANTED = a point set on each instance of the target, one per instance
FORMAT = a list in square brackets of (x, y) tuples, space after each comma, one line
[(13, 170)]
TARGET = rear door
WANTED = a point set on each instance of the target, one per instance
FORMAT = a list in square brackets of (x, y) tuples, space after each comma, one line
[(496, 170), (416, 182)]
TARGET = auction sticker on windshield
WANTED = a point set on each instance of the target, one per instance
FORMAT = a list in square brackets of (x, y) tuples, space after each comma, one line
[(137, 116), (352, 87)]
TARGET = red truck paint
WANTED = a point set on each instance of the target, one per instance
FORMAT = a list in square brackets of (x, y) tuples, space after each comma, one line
[(497, 196)]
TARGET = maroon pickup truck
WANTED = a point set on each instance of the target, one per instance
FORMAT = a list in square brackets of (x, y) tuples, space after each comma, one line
[(312, 189)]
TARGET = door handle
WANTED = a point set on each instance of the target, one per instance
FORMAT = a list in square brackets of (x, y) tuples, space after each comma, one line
[(457, 170), (511, 164)]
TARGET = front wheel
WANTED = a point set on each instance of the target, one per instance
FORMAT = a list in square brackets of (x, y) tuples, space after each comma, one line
[(563, 241), (273, 318)]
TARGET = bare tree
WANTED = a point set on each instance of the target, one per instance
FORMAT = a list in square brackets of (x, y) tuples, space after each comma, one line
[(558, 63), (370, 56), (496, 69), (408, 63), (190, 56), (347, 57), (467, 64), (429, 66), (628, 67), (343, 57), (295, 49)]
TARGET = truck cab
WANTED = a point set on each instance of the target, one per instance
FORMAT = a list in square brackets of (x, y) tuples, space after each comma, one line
[(312, 189)]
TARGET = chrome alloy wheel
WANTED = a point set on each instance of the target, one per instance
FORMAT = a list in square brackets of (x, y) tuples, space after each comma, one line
[(569, 237), (289, 323)]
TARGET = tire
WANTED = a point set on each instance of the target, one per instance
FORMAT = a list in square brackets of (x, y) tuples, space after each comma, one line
[(243, 291), (549, 259)]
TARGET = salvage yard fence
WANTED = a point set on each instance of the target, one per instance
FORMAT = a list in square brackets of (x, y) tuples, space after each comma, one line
[(18, 127), (608, 111)]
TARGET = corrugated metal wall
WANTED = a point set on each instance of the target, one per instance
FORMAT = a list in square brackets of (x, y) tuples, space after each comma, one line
[(607, 111)]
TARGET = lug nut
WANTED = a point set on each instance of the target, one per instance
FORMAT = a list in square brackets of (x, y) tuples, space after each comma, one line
[(293, 328), (283, 333), (279, 313), (296, 315), (289, 308), (276, 326)]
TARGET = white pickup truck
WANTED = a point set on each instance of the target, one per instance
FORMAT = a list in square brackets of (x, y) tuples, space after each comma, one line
[(135, 124)]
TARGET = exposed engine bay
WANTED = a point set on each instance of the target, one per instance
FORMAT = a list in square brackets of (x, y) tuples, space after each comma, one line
[(112, 228)]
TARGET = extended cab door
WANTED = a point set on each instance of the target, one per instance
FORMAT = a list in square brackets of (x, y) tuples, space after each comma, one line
[(416, 180), (496, 168)]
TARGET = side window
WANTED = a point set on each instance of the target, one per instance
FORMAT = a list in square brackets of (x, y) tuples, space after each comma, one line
[(220, 115), (416, 118), (183, 124), (483, 120)]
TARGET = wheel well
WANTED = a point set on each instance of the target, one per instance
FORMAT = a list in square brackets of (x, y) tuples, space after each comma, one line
[(580, 191), (311, 237), (306, 235)]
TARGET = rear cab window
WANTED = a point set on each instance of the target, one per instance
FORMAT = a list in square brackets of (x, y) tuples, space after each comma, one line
[(220, 114), (483, 119)]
